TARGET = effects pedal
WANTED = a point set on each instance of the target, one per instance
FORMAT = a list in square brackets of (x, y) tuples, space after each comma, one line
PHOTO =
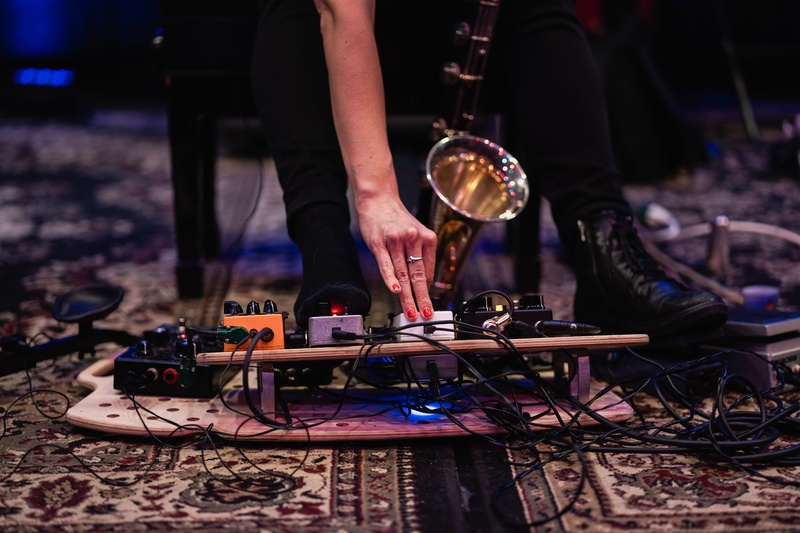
[(756, 341), (163, 363), (329, 329), (529, 309), (440, 327), (238, 325)]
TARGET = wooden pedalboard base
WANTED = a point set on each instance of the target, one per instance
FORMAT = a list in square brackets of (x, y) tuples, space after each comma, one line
[(322, 415)]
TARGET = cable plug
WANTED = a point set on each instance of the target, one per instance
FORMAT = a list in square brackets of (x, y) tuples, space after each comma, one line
[(341, 335), (498, 323), (564, 327), (140, 380)]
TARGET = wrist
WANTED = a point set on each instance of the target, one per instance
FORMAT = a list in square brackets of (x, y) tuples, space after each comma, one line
[(374, 184)]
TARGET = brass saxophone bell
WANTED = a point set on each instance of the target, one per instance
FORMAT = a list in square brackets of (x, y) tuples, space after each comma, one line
[(475, 181)]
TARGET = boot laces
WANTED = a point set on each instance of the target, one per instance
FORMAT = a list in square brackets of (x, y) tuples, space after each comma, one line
[(635, 253)]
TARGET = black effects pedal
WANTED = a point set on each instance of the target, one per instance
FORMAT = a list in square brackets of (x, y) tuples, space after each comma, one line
[(163, 363)]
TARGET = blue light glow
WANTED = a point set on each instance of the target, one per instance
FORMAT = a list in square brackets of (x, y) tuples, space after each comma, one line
[(434, 412), (44, 77), (63, 30), (39, 28)]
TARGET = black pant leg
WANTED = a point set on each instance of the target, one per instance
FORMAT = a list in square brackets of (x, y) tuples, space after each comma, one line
[(290, 86), (556, 108)]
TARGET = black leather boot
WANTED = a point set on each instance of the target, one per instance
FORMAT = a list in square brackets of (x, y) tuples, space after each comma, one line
[(622, 289)]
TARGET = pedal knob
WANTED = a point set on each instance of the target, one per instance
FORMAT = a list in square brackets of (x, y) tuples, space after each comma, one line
[(253, 308), (231, 307), (270, 306), (159, 336), (143, 349)]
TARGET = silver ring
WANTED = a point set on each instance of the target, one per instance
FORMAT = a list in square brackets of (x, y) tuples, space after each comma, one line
[(413, 259)]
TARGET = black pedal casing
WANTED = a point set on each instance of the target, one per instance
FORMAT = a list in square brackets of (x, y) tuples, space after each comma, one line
[(158, 354), (530, 310)]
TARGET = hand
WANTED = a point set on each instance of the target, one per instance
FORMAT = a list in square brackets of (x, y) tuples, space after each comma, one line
[(394, 235)]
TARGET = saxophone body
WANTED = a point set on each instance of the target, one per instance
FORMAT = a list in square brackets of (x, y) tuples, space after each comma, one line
[(474, 181)]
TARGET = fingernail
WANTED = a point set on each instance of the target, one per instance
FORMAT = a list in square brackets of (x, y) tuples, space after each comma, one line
[(411, 313), (426, 312), (396, 287)]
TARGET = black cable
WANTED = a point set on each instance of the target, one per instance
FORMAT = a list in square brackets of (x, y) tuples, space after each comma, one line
[(267, 334), (468, 304)]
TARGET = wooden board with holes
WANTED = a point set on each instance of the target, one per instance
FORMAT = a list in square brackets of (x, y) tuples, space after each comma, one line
[(368, 414)]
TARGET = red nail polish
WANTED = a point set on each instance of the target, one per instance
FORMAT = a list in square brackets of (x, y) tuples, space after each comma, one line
[(395, 287), (411, 313), (426, 312)]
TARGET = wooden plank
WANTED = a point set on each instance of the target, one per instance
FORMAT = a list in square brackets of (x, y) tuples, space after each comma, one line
[(393, 349)]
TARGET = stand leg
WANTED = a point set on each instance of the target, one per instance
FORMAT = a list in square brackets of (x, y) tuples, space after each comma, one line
[(266, 389), (193, 154), (576, 363)]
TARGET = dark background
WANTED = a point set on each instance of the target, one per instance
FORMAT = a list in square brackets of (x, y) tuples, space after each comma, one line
[(109, 45)]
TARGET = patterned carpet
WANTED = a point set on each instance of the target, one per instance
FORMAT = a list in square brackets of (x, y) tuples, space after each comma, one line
[(90, 201)]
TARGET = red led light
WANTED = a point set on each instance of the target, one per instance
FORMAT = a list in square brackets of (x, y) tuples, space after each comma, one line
[(338, 308)]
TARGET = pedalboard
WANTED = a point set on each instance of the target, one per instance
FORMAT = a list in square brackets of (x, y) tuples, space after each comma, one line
[(164, 361)]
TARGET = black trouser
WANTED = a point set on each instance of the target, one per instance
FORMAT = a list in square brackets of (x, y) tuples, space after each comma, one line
[(541, 75)]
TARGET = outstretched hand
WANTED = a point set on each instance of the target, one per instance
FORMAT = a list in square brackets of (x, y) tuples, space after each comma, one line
[(405, 250)]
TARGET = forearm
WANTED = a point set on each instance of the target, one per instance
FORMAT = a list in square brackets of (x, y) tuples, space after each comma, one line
[(357, 95), (359, 114)]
